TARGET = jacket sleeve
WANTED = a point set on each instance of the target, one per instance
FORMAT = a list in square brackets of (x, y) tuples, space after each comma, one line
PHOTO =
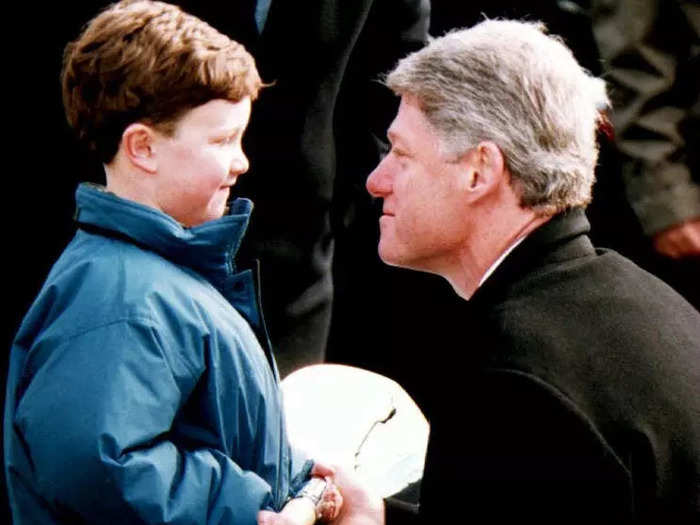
[(650, 55), (95, 419)]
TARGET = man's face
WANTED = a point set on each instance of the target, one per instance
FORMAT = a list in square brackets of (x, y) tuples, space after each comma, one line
[(200, 162), (423, 224)]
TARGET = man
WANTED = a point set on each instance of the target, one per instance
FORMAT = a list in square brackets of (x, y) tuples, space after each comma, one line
[(570, 387), (142, 387)]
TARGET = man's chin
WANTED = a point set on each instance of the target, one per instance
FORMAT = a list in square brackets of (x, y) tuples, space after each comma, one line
[(399, 260), (391, 259)]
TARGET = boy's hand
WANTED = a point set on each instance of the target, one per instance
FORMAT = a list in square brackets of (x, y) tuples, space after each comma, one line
[(297, 511)]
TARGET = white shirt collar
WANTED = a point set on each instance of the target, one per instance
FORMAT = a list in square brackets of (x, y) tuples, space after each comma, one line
[(498, 261)]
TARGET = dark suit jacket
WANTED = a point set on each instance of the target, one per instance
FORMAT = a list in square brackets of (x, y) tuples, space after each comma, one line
[(573, 393)]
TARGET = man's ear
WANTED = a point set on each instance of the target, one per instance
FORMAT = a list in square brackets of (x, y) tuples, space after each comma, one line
[(485, 168), (138, 143)]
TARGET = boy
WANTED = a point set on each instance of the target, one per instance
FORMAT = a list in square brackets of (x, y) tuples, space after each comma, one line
[(142, 387)]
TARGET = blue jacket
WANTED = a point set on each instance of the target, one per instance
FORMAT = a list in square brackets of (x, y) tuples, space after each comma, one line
[(138, 389)]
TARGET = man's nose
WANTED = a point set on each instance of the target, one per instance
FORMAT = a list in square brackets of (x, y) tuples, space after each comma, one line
[(378, 183)]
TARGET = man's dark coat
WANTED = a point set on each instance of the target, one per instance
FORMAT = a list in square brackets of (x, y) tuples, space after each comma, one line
[(570, 390)]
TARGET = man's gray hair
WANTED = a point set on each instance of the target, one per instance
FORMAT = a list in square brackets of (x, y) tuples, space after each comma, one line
[(510, 83)]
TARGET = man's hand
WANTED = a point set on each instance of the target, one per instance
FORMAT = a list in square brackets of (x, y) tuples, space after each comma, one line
[(359, 507), (332, 501), (682, 240), (356, 505), (301, 511)]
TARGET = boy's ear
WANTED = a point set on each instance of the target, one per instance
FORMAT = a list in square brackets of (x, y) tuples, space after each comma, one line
[(138, 143)]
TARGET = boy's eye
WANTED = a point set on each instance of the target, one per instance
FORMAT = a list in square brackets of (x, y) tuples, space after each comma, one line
[(227, 140)]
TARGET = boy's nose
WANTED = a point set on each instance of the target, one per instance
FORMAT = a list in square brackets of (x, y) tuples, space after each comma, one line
[(239, 164)]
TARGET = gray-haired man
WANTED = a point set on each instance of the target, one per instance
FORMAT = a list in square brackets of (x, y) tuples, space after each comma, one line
[(570, 388)]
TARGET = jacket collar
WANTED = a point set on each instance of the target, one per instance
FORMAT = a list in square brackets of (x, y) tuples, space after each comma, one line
[(561, 238), (209, 248)]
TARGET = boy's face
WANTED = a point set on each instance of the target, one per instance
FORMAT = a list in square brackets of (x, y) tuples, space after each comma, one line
[(200, 162)]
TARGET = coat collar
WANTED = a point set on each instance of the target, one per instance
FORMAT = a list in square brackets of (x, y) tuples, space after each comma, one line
[(209, 248), (561, 238)]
